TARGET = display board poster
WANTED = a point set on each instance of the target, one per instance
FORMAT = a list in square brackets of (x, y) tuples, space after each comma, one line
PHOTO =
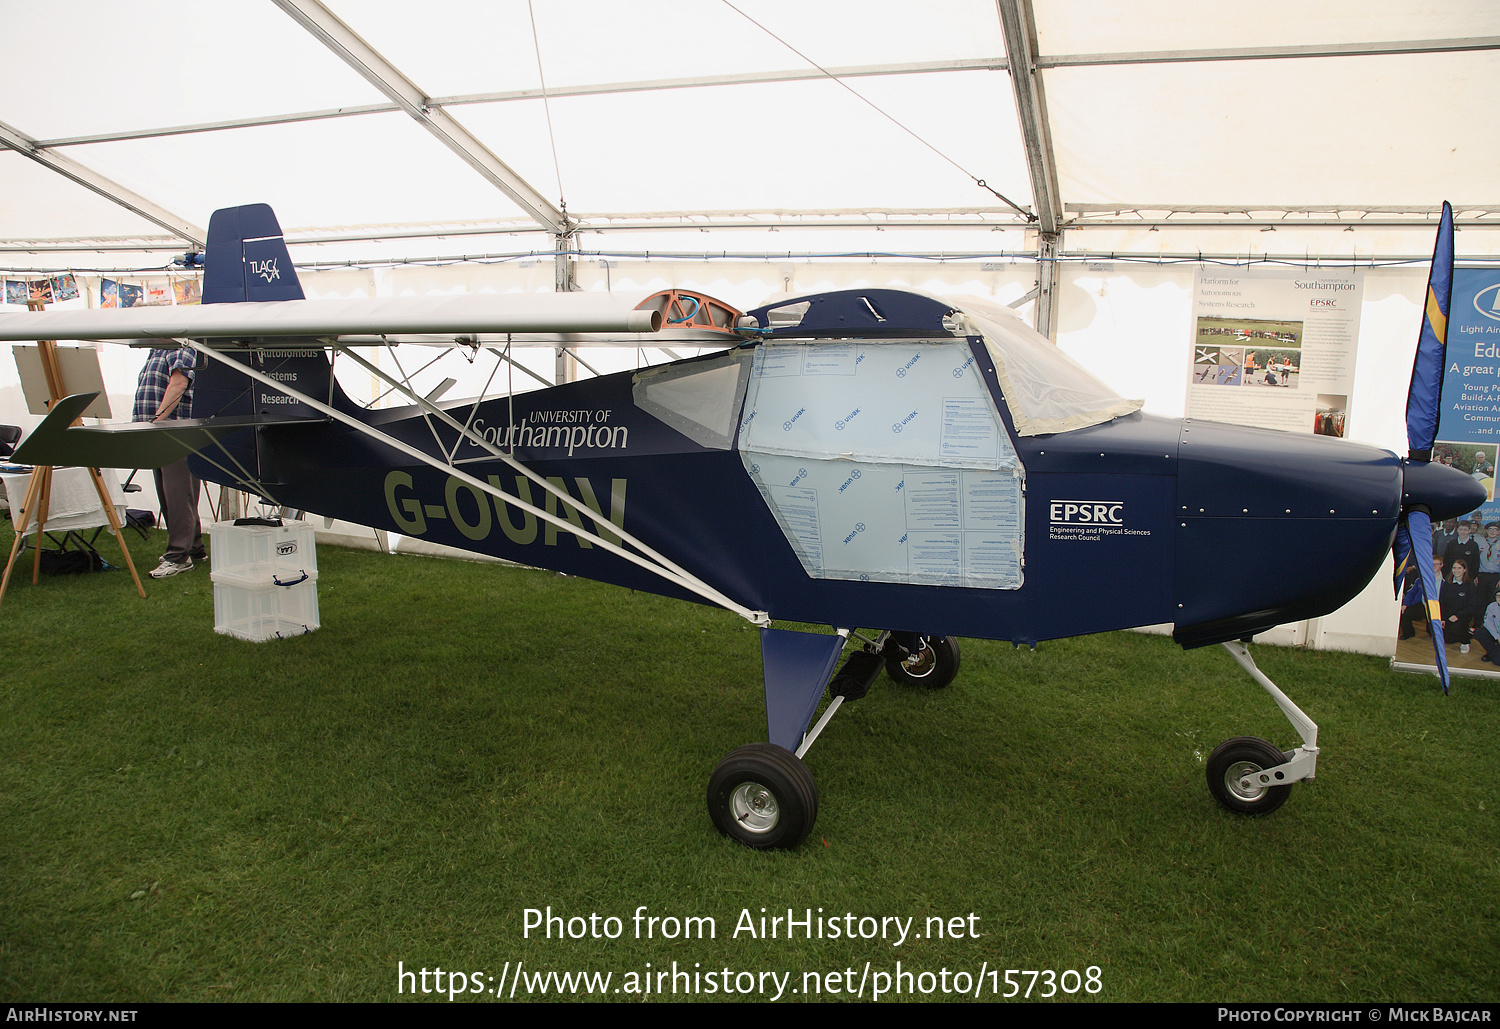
[(1275, 348), (1468, 434), (1468, 438)]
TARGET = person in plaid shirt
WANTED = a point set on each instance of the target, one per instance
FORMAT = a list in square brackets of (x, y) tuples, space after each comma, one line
[(164, 392)]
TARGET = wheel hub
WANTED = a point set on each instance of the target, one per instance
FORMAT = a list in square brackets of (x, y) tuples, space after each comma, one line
[(921, 662), (754, 807), (1239, 779)]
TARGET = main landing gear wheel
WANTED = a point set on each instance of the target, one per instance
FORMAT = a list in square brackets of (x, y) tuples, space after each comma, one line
[(934, 666), (763, 796), (1233, 776)]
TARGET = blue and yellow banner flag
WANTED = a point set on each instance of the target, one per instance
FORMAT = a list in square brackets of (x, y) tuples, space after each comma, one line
[(1427, 368)]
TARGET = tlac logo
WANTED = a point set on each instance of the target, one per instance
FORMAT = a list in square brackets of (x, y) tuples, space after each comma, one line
[(1487, 301)]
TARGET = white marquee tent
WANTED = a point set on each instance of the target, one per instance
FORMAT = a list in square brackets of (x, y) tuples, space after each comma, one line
[(1078, 159), (378, 129)]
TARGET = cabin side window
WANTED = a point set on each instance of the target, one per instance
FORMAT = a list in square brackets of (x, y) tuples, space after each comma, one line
[(697, 398), (885, 462)]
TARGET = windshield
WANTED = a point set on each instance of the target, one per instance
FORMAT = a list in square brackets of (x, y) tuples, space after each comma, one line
[(1045, 389)]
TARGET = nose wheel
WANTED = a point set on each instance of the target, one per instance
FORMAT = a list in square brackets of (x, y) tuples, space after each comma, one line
[(1242, 779), (1250, 776)]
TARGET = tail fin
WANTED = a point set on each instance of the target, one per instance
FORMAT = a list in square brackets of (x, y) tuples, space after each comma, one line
[(246, 259)]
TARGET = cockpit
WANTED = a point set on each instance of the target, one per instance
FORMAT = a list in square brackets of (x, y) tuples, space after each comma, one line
[(870, 429)]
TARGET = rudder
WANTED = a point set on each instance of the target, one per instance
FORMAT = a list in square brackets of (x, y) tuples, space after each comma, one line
[(246, 258)]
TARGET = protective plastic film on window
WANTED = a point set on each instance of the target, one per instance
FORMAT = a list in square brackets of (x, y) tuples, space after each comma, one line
[(920, 402), (699, 399), (1045, 389), (886, 462)]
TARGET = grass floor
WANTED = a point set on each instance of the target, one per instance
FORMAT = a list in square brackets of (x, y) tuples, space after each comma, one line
[(191, 817)]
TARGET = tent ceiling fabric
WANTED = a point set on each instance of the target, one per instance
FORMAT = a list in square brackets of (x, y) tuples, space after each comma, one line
[(1156, 114)]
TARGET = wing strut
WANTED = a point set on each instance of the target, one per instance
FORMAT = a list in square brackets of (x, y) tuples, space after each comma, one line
[(657, 564)]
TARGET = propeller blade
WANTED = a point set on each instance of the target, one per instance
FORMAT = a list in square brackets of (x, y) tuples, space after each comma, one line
[(1415, 535), (1401, 550), (1426, 389)]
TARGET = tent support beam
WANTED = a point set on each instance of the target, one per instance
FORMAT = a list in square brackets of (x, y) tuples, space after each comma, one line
[(511, 95), (1047, 250), (107, 188), (1418, 46), (325, 26), (564, 266), (1275, 53), (1019, 27)]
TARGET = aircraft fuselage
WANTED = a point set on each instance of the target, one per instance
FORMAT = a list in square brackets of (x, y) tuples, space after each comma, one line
[(1222, 530)]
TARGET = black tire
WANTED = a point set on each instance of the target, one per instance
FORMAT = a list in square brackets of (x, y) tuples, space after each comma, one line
[(763, 796), (932, 667), (1235, 759)]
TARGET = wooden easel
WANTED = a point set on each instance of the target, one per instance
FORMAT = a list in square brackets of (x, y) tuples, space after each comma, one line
[(39, 489)]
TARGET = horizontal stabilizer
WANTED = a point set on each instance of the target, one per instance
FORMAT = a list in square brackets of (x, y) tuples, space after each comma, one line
[(59, 443), (468, 313)]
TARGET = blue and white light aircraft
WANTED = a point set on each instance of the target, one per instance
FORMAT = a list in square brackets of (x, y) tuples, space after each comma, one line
[(875, 459)]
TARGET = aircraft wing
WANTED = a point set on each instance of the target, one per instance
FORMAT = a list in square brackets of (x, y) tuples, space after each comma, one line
[(671, 336), (467, 314)]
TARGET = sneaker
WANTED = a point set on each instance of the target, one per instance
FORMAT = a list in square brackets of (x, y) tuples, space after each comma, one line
[(169, 567), (1463, 648)]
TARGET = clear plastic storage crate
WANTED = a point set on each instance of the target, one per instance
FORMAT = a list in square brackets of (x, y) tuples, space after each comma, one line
[(265, 580), (259, 551), (264, 612)]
